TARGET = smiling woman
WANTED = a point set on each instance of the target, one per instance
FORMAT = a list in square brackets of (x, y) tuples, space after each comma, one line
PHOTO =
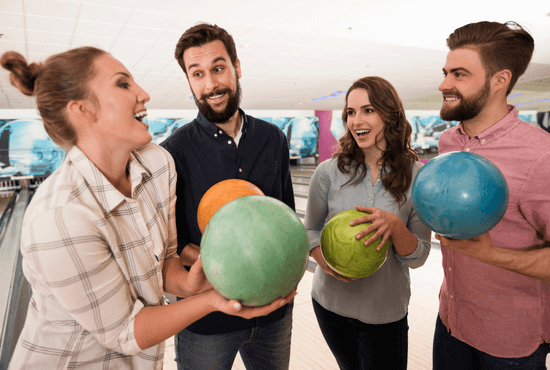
[(110, 118), (99, 237), (372, 172)]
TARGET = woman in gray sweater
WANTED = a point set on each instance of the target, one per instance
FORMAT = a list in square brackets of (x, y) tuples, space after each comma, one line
[(364, 321)]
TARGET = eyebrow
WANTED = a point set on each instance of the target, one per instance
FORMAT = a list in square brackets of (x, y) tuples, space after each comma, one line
[(456, 70), (363, 106), (213, 62), (122, 73)]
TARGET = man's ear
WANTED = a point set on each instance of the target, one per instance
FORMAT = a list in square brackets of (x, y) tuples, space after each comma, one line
[(503, 79), (238, 69)]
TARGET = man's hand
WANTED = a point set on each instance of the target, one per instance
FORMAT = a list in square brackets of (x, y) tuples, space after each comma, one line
[(196, 281), (480, 247), (189, 254)]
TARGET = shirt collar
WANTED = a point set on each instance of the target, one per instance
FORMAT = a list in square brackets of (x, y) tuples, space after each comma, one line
[(502, 127), (139, 172), (105, 193), (214, 130)]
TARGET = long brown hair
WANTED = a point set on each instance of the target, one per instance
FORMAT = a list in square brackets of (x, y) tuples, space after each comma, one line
[(58, 80), (396, 161)]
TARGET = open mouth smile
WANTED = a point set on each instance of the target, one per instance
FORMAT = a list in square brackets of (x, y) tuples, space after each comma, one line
[(140, 116), (360, 133), (216, 97), (450, 99)]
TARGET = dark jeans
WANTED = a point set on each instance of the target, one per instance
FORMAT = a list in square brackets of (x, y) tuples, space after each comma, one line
[(450, 353), (266, 347), (357, 345)]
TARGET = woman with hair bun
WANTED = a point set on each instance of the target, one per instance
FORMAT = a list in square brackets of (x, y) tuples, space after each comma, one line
[(99, 236), (364, 321)]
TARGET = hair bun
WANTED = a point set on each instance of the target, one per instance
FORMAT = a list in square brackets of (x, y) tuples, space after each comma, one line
[(22, 74)]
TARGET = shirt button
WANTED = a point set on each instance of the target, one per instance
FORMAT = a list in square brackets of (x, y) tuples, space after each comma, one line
[(467, 149), (451, 296), (215, 135), (228, 141), (370, 198), (482, 141), (220, 132), (240, 170), (449, 269)]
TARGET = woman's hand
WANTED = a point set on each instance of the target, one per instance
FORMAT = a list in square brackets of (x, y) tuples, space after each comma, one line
[(384, 224), (317, 255), (198, 283), (235, 308)]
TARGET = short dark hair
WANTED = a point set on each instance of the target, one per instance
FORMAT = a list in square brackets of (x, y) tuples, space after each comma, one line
[(202, 34), (500, 46)]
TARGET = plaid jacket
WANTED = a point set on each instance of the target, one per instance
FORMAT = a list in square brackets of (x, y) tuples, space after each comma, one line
[(94, 258)]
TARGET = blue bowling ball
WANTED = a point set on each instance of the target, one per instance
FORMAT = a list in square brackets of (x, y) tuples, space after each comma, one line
[(460, 195)]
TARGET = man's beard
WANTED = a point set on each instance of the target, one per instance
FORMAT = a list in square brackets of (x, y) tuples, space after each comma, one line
[(233, 102), (468, 107)]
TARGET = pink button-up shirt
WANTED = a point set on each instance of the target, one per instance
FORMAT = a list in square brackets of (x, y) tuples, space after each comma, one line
[(500, 312)]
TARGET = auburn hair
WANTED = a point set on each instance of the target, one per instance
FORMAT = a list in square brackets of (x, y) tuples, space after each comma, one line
[(60, 79)]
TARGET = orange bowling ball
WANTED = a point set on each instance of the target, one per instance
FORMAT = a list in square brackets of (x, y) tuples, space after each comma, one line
[(220, 194)]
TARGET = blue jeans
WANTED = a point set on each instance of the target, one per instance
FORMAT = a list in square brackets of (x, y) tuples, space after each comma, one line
[(357, 345), (450, 353), (262, 347)]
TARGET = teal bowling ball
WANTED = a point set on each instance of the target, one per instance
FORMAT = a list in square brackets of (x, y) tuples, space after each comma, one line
[(460, 195), (255, 249)]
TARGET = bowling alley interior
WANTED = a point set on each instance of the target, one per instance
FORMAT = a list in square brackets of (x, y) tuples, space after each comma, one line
[(297, 59)]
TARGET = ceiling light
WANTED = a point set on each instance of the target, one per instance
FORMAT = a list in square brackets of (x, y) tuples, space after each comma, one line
[(534, 101), (333, 95)]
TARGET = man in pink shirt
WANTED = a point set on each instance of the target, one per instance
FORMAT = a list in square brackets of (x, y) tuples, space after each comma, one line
[(495, 299)]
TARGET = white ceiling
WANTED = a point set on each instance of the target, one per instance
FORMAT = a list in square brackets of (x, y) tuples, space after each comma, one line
[(294, 54)]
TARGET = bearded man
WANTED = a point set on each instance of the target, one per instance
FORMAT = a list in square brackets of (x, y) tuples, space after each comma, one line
[(224, 143), (494, 310)]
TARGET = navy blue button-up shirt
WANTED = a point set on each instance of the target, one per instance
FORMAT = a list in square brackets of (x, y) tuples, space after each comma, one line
[(205, 155)]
